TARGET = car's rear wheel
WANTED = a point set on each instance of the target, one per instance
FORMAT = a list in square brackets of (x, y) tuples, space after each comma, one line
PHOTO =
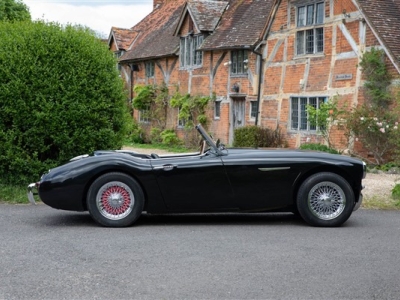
[(115, 200), (325, 199)]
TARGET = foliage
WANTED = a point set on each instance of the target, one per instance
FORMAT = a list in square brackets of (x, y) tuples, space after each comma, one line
[(378, 78), (152, 101), (11, 193), (254, 137), (60, 96), (155, 135), (170, 138), (14, 10), (377, 134), (318, 147), (192, 109), (373, 123), (396, 192), (380, 202), (323, 117), (135, 133)]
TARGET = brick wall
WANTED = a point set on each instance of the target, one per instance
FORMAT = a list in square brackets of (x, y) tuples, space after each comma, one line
[(331, 73)]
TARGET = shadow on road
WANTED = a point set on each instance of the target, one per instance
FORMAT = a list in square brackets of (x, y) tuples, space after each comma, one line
[(83, 219)]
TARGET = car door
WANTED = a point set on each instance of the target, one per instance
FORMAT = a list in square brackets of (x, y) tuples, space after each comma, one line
[(260, 183), (193, 183)]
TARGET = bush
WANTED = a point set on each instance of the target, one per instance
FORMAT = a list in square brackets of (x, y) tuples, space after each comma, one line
[(396, 192), (318, 147), (254, 137), (155, 135), (135, 134), (170, 138), (60, 96)]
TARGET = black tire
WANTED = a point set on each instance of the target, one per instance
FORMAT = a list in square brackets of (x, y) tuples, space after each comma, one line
[(115, 200), (325, 200)]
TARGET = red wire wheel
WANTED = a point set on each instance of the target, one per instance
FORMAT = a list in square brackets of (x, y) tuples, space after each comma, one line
[(115, 200)]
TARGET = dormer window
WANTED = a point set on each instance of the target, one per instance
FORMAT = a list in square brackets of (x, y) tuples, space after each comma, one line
[(239, 61), (189, 55)]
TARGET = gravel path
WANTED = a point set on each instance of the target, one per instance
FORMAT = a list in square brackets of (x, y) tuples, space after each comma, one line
[(380, 184)]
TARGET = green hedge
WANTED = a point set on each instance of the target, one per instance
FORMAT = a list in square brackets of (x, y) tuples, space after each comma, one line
[(254, 137), (60, 96), (318, 147)]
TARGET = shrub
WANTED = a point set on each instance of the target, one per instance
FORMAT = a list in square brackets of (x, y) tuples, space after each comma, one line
[(396, 192), (254, 137), (170, 138), (375, 123), (155, 135), (60, 96), (318, 147), (135, 133)]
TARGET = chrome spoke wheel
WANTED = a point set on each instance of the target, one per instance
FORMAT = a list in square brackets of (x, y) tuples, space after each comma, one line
[(326, 200), (115, 200)]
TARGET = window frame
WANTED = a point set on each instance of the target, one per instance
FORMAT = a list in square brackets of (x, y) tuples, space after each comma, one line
[(142, 115), (118, 55), (239, 62), (298, 112), (189, 55), (149, 69), (253, 110), (310, 18), (217, 109)]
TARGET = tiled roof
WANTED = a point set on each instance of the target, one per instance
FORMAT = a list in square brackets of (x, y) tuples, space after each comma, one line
[(123, 37), (206, 13), (241, 24), (384, 17), (156, 32)]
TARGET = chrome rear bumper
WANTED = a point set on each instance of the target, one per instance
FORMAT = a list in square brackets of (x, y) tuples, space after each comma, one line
[(32, 190)]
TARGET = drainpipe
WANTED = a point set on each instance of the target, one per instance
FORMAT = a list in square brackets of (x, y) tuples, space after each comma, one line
[(131, 66), (259, 54)]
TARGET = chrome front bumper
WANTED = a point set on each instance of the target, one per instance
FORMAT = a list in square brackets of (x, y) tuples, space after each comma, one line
[(360, 200), (32, 190)]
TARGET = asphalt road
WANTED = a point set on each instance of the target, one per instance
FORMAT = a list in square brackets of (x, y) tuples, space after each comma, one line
[(50, 254)]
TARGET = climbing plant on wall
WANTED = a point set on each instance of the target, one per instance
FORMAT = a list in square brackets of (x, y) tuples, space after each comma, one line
[(375, 122), (153, 102)]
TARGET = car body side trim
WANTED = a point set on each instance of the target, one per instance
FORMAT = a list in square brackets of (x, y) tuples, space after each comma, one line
[(273, 169)]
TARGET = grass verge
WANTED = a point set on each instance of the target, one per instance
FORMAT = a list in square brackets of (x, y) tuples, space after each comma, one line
[(13, 194), (382, 203)]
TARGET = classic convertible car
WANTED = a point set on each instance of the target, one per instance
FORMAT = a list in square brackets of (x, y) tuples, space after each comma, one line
[(117, 186)]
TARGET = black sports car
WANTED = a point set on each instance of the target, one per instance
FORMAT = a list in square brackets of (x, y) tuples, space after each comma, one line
[(117, 186)]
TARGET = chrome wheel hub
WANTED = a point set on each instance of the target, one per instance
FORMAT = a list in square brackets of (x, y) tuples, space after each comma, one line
[(115, 200), (326, 200)]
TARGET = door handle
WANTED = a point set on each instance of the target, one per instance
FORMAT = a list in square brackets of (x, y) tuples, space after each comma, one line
[(168, 167)]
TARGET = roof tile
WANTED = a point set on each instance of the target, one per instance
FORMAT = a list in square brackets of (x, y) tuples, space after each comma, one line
[(206, 13), (241, 25), (384, 18)]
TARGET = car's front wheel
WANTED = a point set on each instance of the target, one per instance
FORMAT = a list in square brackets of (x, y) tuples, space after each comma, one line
[(115, 200), (325, 199)]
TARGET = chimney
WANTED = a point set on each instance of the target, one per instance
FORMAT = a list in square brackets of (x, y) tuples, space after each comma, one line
[(157, 3)]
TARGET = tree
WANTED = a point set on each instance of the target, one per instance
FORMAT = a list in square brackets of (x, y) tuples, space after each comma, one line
[(60, 96), (14, 10)]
